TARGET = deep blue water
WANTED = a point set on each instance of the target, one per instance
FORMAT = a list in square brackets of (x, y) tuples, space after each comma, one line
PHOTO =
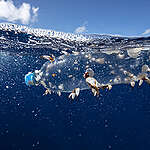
[(118, 120)]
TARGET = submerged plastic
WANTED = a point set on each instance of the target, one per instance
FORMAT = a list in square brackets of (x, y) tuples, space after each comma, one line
[(29, 79), (69, 72)]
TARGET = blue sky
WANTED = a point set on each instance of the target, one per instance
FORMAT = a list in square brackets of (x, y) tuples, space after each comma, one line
[(123, 17)]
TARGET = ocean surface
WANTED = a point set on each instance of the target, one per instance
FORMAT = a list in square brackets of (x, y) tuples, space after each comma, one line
[(119, 119)]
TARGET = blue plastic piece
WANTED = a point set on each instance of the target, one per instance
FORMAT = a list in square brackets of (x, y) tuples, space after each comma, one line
[(29, 79)]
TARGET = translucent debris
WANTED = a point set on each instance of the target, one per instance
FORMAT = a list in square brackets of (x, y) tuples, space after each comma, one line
[(82, 70)]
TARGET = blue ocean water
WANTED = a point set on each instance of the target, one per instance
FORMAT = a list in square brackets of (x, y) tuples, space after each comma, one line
[(117, 119)]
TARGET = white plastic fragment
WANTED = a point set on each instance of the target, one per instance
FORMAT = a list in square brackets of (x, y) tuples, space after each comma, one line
[(64, 52), (61, 86), (45, 57), (74, 93), (147, 80), (44, 84), (94, 91), (77, 91), (47, 92), (37, 71), (140, 82), (109, 87), (59, 71), (92, 82), (38, 77), (132, 83), (59, 93), (51, 59)]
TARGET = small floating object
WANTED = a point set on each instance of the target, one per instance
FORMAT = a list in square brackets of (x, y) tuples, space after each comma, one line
[(109, 87), (147, 80), (143, 77), (140, 82), (95, 92), (91, 81), (74, 93), (59, 93), (51, 59), (145, 68), (47, 92), (132, 83), (77, 91), (54, 75)]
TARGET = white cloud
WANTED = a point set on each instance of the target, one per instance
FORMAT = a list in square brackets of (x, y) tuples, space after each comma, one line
[(35, 13), (9, 12), (146, 32), (80, 29), (35, 10)]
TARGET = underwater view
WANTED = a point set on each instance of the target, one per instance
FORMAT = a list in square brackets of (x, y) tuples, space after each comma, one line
[(73, 91), (74, 75)]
